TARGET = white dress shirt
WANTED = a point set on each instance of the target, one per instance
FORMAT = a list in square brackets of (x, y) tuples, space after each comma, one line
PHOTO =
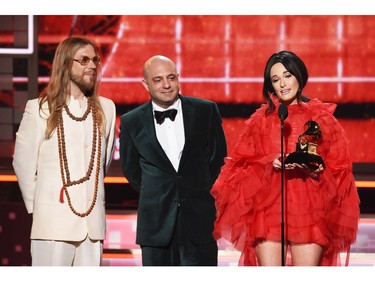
[(171, 134)]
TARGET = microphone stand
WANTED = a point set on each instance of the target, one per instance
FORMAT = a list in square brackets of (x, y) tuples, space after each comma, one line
[(282, 192)]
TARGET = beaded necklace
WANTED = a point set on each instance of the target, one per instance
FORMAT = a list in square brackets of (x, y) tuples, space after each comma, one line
[(64, 168)]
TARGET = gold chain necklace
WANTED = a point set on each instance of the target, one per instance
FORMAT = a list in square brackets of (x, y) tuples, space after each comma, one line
[(64, 168)]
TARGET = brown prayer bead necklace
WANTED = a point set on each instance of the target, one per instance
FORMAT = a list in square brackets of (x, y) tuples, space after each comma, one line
[(64, 168)]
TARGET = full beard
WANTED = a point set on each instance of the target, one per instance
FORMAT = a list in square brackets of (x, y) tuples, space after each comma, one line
[(86, 86)]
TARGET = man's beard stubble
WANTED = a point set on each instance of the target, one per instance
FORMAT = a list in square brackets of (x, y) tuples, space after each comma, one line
[(87, 88)]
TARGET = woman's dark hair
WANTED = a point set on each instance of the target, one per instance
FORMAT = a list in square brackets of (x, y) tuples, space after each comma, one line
[(295, 66)]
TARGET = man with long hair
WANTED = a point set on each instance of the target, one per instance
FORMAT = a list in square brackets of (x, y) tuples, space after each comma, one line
[(63, 149)]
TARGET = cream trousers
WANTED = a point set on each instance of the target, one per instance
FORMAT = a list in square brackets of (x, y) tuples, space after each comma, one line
[(66, 253)]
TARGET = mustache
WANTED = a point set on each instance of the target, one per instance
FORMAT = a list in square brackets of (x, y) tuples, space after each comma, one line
[(90, 72)]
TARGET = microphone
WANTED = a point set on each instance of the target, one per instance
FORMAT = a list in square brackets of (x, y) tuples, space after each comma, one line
[(283, 114), (283, 111)]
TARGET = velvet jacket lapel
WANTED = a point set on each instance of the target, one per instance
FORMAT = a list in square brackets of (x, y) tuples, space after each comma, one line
[(150, 133), (160, 158), (188, 113)]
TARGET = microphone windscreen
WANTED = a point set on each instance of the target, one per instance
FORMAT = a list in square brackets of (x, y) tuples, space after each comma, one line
[(283, 111)]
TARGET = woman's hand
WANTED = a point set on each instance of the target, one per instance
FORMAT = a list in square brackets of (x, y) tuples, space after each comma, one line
[(303, 167), (311, 173), (277, 164)]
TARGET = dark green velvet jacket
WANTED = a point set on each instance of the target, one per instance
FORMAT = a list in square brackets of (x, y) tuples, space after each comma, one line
[(163, 192)]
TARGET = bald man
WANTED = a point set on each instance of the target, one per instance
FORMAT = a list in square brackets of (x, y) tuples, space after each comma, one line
[(171, 150)]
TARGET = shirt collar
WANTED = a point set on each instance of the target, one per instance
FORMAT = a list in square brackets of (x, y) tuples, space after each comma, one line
[(75, 103), (175, 105)]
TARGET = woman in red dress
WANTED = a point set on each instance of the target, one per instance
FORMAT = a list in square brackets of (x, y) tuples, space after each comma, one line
[(321, 204)]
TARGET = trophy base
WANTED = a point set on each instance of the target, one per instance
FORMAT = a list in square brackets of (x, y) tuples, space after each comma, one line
[(310, 160)]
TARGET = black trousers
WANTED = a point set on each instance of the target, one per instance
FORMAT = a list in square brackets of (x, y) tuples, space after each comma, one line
[(181, 251)]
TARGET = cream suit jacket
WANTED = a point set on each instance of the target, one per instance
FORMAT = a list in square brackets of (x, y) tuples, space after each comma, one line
[(37, 167)]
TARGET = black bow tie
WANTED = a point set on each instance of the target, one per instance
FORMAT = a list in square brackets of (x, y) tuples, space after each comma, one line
[(161, 115)]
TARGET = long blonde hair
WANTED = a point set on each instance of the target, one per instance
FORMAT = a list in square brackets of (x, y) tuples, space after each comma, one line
[(57, 91)]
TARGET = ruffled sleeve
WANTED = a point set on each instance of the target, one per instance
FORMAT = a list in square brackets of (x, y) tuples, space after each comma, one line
[(343, 213), (246, 173)]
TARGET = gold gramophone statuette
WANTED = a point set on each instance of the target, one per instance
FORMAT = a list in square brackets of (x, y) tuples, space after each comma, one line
[(306, 147)]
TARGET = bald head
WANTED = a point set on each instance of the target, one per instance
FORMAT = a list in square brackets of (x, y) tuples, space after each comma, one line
[(161, 80), (154, 62)]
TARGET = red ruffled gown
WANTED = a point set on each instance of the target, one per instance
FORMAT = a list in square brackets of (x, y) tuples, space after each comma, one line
[(247, 191)]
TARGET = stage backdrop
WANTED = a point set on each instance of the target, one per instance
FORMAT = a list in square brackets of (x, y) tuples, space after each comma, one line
[(220, 58)]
